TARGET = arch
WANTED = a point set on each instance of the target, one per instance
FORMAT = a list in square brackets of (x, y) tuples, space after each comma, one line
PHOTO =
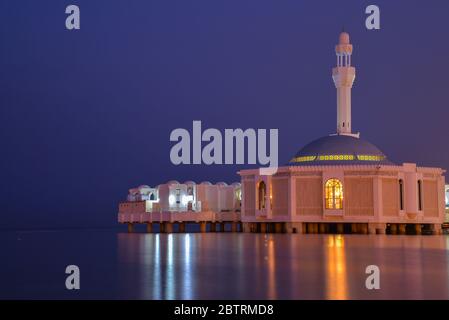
[(334, 194), (152, 196), (262, 191)]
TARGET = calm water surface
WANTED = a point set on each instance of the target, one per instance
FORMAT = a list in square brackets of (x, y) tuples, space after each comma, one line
[(116, 265)]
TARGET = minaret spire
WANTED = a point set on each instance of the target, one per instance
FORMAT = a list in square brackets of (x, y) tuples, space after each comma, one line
[(343, 75)]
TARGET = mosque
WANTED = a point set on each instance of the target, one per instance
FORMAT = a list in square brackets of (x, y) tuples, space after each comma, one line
[(335, 184)]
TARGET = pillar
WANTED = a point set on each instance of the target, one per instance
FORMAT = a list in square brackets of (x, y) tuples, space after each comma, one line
[(309, 228), (372, 228), (222, 226), (393, 229), (240, 225), (182, 227), (402, 228), (277, 227), (364, 228), (234, 226), (213, 227), (263, 227), (130, 227), (168, 227), (354, 228), (322, 228), (436, 229), (340, 228), (202, 226), (149, 227), (418, 229)]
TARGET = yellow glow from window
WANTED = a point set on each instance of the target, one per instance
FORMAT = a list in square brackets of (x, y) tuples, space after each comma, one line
[(365, 157), (334, 194), (338, 157), (303, 159)]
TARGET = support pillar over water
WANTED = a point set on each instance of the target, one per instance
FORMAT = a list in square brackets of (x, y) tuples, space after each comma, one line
[(149, 227), (168, 227), (263, 227), (418, 229), (340, 228), (278, 227), (234, 226), (309, 227), (202, 226), (354, 228), (393, 229), (437, 229), (364, 228), (182, 227), (322, 228), (130, 227), (402, 228), (222, 226), (213, 227), (161, 227)]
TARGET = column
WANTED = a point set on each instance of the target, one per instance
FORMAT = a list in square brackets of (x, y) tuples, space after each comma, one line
[(340, 228), (182, 227), (402, 228)]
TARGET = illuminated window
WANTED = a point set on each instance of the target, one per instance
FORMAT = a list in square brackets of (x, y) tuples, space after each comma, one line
[(338, 157), (262, 193), (334, 194), (303, 159), (365, 157)]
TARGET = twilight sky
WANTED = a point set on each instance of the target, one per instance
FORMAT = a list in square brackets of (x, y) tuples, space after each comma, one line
[(87, 114)]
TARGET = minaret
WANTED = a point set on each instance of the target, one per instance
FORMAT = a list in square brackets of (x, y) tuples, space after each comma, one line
[(343, 75)]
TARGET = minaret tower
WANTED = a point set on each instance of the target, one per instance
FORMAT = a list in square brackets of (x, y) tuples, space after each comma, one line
[(344, 75)]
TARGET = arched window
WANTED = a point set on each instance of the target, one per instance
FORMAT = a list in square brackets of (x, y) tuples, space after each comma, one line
[(152, 197), (419, 195), (262, 193), (334, 194), (401, 194)]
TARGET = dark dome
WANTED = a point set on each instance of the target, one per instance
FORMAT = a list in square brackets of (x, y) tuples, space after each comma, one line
[(337, 150)]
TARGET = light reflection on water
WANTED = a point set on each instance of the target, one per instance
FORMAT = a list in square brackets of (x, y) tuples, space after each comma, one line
[(281, 266)]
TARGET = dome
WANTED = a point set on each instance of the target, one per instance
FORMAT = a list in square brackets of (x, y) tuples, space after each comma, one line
[(344, 38), (189, 183), (207, 183), (173, 182), (338, 150), (222, 184)]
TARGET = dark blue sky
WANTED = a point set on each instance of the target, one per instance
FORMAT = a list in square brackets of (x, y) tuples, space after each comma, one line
[(87, 114)]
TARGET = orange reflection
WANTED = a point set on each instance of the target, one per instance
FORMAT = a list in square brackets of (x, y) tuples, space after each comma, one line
[(336, 272)]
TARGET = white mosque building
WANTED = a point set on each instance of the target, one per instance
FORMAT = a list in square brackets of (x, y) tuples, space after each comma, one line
[(335, 184)]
